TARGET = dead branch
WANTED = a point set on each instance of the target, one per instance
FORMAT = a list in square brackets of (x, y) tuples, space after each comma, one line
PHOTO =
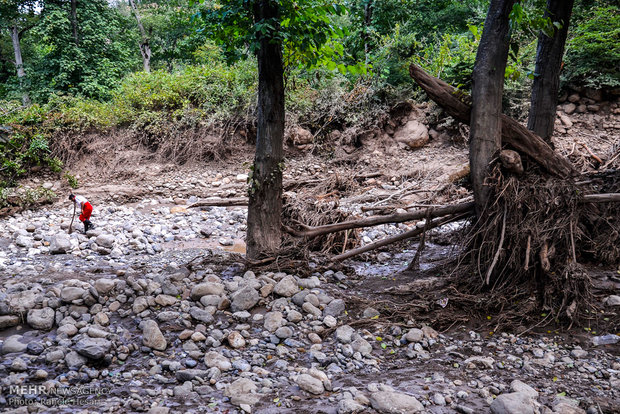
[(377, 220), (221, 202), (403, 236), (601, 198), (457, 104)]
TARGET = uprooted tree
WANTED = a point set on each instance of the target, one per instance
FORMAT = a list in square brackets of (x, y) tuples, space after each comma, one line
[(535, 218)]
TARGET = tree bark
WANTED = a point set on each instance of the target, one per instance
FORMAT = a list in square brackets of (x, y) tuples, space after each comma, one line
[(145, 48), (264, 232), (74, 22), (457, 104), (488, 85), (367, 23), (19, 63), (548, 64)]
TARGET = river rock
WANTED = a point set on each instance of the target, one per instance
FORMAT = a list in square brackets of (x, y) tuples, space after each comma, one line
[(287, 287), (513, 403), (42, 319), (7, 321), (414, 335), (390, 402), (349, 406), (93, 348), (236, 340), (215, 359), (60, 244), (273, 320), (104, 286), (244, 299), (105, 240), (362, 346), (13, 344), (152, 336), (334, 308), (612, 300), (311, 384), (344, 334), (242, 391), (207, 288), (71, 293)]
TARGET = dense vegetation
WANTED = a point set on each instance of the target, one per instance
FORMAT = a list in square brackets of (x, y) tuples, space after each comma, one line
[(83, 67)]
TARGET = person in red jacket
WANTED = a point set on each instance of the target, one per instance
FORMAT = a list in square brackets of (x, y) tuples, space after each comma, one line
[(86, 209)]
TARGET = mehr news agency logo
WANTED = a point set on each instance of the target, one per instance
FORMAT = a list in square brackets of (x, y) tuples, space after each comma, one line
[(25, 394)]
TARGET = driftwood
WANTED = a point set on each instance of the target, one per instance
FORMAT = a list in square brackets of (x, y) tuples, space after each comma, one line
[(457, 104), (221, 202), (403, 236), (377, 220)]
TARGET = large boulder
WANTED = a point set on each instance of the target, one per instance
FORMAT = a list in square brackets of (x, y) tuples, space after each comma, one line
[(514, 403), (41, 318), (60, 244), (93, 348), (152, 336), (414, 134), (244, 299), (105, 240), (390, 402)]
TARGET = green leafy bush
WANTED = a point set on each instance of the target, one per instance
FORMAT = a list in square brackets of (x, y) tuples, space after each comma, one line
[(593, 50)]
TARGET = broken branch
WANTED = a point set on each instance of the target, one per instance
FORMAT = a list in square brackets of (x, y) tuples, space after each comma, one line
[(377, 220), (399, 237)]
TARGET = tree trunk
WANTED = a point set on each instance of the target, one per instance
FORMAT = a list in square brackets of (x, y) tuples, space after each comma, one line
[(145, 48), (19, 63), (74, 22), (264, 232), (488, 85), (367, 22), (548, 63)]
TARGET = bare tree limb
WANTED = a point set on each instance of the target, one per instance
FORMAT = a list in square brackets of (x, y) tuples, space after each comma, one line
[(403, 236), (377, 220)]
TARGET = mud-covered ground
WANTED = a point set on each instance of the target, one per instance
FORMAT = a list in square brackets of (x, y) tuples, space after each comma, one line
[(153, 310)]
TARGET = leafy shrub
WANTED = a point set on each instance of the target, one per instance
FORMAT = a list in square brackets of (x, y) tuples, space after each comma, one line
[(593, 51)]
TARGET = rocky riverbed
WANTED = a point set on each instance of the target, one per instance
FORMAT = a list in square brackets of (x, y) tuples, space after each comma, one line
[(115, 320)]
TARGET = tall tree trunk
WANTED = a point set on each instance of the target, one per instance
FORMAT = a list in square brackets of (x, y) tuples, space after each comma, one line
[(74, 22), (19, 63), (367, 21), (488, 85), (145, 48), (548, 63), (264, 232)]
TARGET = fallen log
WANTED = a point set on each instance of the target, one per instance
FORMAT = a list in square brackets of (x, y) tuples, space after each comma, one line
[(308, 231), (221, 202), (403, 236), (458, 105)]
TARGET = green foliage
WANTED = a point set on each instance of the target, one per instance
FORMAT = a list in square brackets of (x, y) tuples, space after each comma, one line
[(308, 31), (593, 51), (88, 66), (452, 57), (21, 151), (72, 180)]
